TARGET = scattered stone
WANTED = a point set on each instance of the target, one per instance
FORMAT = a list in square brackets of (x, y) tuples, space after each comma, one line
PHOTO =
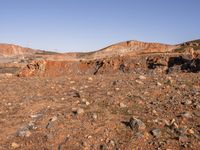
[(94, 116), (191, 131), (31, 126), (49, 125), (90, 78), (197, 113), (36, 116), (181, 130), (85, 101), (188, 102), (103, 147), (139, 135), (9, 104), (85, 145), (122, 105), (172, 125), (159, 84), (78, 111), (109, 93), (49, 136), (154, 112), (15, 145), (51, 122), (54, 118), (117, 89), (197, 106), (186, 115), (89, 136), (137, 124), (141, 77), (112, 143), (183, 138), (72, 82), (24, 133), (156, 132), (75, 94), (139, 82)]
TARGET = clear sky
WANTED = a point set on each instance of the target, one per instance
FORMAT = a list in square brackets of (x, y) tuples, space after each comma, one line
[(85, 25)]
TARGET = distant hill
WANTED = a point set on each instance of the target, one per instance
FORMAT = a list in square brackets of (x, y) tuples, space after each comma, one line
[(123, 48), (9, 50)]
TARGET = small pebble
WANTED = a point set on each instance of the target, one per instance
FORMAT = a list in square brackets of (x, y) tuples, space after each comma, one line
[(15, 145), (122, 105), (186, 115), (78, 111), (141, 77), (156, 132), (94, 116), (54, 118)]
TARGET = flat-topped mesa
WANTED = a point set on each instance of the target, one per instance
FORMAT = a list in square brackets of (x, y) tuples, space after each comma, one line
[(10, 50)]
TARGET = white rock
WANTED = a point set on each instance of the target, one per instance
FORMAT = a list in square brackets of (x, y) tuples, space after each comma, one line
[(139, 82), (90, 78), (122, 105), (159, 84), (94, 116), (141, 77), (54, 118)]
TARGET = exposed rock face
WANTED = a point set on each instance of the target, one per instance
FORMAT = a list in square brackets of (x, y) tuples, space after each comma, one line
[(101, 100), (163, 64), (130, 48), (130, 56), (8, 50), (34, 68), (115, 58)]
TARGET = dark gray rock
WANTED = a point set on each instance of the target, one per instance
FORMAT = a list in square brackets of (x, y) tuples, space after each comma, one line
[(137, 124), (103, 147), (156, 132)]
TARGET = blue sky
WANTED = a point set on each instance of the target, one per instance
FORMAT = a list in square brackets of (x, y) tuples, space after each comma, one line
[(86, 25)]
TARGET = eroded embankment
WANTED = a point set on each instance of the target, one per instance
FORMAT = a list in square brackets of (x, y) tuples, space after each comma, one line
[(165, 63)]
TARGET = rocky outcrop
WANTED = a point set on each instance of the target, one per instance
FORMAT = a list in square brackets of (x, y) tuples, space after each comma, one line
[(125, 57), (130, 48), (9, 50)]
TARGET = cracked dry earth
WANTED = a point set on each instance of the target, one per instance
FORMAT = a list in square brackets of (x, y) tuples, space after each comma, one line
[(115, 112)]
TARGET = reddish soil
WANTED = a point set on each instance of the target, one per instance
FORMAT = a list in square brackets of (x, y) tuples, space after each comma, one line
[(135, 99)]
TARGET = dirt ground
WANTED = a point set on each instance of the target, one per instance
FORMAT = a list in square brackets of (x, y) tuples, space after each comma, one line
[(94, 112)]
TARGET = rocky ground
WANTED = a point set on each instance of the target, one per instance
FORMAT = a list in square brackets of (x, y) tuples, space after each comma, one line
[(132, 95), (121, 111)]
